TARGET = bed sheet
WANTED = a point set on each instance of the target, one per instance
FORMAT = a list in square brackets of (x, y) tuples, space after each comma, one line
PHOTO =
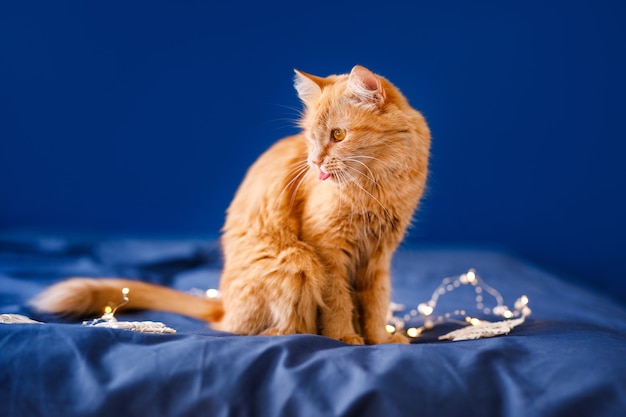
[(567, 359)]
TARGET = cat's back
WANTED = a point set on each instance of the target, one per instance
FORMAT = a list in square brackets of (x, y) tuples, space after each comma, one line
[(269, 171), (270, 183)]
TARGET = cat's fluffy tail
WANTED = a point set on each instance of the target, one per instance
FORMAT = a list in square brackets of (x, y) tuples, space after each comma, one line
[(82, 297)]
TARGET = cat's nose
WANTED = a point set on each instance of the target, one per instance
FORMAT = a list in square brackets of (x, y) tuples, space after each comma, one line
[(318, 163)]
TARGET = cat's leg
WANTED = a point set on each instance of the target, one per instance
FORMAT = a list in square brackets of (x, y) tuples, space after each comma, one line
[(373, 295), (271, 286), (245, 309), (337, 314), (294, 282), (275, 303)]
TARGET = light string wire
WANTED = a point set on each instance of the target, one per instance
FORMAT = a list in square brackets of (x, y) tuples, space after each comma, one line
[(108, 315), (424, 313), (413, 323), (109, 320)]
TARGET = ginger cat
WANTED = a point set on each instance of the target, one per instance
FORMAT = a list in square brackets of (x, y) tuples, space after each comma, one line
[(310, 234)]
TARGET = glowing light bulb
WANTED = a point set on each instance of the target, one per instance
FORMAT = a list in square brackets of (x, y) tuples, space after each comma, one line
[(108, 310), (499, 310), (212, 293), (390, 329), (471, 276), (413, 332), (473, 321), (125, 291), (507, 314), (425, 309), (521, 303)]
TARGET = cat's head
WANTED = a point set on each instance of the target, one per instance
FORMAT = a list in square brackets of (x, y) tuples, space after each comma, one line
[(359, 128)]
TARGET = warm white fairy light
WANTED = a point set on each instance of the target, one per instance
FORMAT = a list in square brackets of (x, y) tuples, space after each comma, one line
[(473, 321), (212, 293), (413, 332), (488, 302), (108, 312), (425, 311), (109, 320)]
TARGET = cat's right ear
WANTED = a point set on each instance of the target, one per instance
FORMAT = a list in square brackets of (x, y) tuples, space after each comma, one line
[(309, 87)]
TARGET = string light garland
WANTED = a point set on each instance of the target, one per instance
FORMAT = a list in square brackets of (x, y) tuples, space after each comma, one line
[(108, 315), (488, 303), (108, 320), (423, 317)]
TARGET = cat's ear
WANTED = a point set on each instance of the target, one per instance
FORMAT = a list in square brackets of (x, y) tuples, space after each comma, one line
[(366, 87), (309, 87)]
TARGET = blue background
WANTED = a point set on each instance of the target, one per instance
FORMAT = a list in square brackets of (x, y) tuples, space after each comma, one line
[(140, 118)]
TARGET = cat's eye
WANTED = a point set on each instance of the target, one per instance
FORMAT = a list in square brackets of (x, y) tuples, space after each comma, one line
[(338, 134)]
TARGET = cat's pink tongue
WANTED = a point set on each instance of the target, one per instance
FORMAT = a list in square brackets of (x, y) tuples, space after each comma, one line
[(324, 175)]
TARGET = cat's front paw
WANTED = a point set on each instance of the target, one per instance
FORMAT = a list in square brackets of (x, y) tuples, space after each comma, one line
[(399, 338), (352, 339)]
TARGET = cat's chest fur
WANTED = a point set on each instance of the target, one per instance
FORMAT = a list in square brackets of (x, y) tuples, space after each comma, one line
[(351, 221)]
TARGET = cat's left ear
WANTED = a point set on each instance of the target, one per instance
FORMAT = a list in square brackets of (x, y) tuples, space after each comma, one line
[(309, 87), (366, 87)]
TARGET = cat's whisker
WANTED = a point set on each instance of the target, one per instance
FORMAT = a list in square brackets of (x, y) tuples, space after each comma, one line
[(355, 182), (370, 177), (295, 192), (380, 161), (359, 208), (343, 180), (294, 121), (374, 183), (339, 180), (299, 111), (297, 170)]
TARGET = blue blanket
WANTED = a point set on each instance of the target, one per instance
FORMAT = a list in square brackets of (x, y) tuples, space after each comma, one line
[(568, 358)]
